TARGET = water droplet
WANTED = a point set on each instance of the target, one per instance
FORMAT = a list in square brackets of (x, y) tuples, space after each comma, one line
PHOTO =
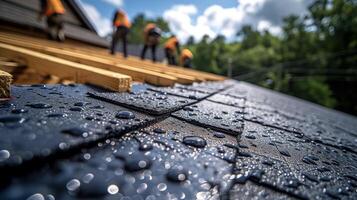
[(39, 105), (159, 130), (142, 187), (125, 115), (76, 109), (56, 115), (19, 111), (177, 174), (285, 153), (113, 189), (162, 187), (136, 162), (81, 104), (11, 119), (219, 135), (4, 155), (87, 178), (308, 160), (73, 185), (76, 131), (252, 137), (36, 196), (311, 177), (194, 141), (145, 147)]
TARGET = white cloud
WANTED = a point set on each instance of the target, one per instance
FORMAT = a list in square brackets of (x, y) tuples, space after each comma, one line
[(261, 14), (102, 24), (117, 3)]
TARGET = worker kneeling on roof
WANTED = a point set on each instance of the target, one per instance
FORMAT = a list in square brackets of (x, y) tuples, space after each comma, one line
[(186, 58), (54, 11), (171, 47), (152, 35), (121, 27)]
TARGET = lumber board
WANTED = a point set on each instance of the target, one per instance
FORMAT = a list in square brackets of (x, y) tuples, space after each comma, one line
[(65, 69), (137, 74), (5, 83), (183, 74)]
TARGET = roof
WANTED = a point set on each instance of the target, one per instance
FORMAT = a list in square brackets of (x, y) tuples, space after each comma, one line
[(227, 139), (24, 14)]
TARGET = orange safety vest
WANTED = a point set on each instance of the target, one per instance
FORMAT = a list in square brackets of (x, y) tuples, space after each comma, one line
[(54, 7), (148, 27), (122, 20), (185, 54), (171, 43)]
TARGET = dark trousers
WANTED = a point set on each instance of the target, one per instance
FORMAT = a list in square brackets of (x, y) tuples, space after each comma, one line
[(170, 56), (120, 34), (55, 27), (187, 62), (153, 51)]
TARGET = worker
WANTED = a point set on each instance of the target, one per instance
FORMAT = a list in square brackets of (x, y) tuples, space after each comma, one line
[(152, 35), (54, 11), (121, 28), (171, 46), (186, 58)]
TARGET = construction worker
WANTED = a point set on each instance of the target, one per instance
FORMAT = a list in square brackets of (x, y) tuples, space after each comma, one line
[(171, 46), (152, 35), (54, 11), (121, 27), (186, 58)]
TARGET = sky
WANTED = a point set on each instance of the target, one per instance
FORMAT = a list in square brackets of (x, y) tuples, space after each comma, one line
[(199, 17)]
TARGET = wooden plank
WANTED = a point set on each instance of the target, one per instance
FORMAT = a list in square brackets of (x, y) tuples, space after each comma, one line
[(137, 74), (5, 82), (183, 74), (65, 69)]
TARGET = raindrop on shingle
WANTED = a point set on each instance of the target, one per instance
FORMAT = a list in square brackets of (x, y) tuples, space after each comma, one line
[(292, 183), (136, 162), (81, 104), (125, 115), (159, 130), (268, 162), (244, 154), (4, 155), (308, 160), (19, 111), (36, 196), (113, 189), (39, 105), (76, 109), (252, 137), (11, 119), (76, 131), (142, 187), (87, 178), (241, 179), (56, 115), (177, 174), (73, 185), (194, 141), (311, 177), (284, 153), (219, 135), (145, 147), (256, 175), (162, 187)]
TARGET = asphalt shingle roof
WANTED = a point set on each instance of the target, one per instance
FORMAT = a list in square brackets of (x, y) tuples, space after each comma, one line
[(228, 140)]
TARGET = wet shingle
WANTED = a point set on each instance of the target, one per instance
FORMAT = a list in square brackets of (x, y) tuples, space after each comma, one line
[(214, 115), (147, 101), (40, 121)]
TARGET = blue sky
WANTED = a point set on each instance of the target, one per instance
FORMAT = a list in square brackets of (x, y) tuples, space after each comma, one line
[(199, 17)]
